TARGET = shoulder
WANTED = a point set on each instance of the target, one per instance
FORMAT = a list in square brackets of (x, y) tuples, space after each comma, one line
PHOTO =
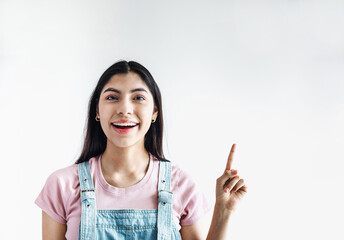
[(69, 175), (61, 192), (180, 177), (59, 186), (190, 200), (64, 182), (182, 184), (64, 175)]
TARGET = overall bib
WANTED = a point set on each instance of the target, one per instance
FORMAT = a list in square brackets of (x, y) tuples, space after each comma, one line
[(129, 223)]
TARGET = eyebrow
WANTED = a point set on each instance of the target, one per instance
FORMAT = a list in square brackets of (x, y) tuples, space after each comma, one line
[(132, 91)]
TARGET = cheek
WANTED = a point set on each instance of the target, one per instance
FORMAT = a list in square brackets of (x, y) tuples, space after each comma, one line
[(104, 110), (145, 119), (147, 114)]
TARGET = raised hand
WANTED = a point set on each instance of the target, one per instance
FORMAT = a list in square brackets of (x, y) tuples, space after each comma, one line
[(230, 188)]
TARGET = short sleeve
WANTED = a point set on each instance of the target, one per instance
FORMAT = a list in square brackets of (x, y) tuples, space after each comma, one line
[(194, 204), (53, 197)]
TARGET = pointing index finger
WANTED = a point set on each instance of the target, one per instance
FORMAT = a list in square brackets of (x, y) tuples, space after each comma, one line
[(230, 157)]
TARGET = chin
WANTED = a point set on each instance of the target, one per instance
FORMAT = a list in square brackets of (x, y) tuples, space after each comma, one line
[(123, 144)]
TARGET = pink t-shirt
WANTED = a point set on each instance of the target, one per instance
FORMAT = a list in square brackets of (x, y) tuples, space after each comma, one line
[(60, 196)]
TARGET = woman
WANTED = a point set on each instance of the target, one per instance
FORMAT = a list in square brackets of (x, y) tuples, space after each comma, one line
[(122, 172)]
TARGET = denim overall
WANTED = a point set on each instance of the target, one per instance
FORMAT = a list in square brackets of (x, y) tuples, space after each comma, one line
[(128, 223)]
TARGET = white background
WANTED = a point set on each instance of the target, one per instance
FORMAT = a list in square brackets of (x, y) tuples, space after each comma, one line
[(267, 75)]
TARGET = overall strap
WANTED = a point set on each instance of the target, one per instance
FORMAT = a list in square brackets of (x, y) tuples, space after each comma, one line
[(165, 201), (87, 227)]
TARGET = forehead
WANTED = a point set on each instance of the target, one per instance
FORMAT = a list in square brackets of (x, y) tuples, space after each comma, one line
[(126, 81)]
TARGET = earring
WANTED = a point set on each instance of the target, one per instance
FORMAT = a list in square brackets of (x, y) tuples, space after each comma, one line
[(97, 118), (153, 121)]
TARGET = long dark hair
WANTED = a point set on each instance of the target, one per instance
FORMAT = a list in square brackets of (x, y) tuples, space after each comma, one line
[(95, 139)]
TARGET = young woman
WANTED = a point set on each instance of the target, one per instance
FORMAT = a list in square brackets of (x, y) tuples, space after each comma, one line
[(122, 187)]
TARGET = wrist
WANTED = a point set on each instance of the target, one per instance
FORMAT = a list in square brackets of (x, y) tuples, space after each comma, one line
[(222, 212), (219, 223)]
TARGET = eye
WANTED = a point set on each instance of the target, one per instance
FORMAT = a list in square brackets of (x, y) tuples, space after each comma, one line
[(140, 98), (111, 97)]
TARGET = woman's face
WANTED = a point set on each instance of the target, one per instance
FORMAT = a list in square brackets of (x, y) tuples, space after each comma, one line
[(126, 98)]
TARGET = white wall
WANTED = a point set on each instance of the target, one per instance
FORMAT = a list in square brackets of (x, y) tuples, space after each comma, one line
[(267, 75)]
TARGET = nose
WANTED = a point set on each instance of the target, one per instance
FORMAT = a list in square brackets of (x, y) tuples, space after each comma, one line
[(125, 107)]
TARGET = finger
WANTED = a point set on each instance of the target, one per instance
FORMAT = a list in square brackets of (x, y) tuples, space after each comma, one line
[(226, 176), (243, 189), (230, 178), (239, 185), (232, 183), (230, 157)]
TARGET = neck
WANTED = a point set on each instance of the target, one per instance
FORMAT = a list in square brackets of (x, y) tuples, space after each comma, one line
[(126, 161)]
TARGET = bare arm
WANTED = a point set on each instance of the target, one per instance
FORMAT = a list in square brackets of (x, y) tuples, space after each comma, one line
[(192, 232), (51, 229), (219, 225), (230, 189), (217, 230)]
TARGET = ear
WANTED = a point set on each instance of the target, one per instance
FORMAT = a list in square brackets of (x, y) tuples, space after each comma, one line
[(97, 111), (155, 113)]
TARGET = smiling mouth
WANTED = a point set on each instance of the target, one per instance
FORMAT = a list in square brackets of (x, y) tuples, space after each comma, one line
[(124, 126)]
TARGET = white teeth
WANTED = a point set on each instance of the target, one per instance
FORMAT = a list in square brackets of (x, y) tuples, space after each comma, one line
[(124, 124)]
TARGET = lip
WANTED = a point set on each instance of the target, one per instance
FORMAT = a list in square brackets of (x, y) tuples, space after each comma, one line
[(123, 131), (124, 121)]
